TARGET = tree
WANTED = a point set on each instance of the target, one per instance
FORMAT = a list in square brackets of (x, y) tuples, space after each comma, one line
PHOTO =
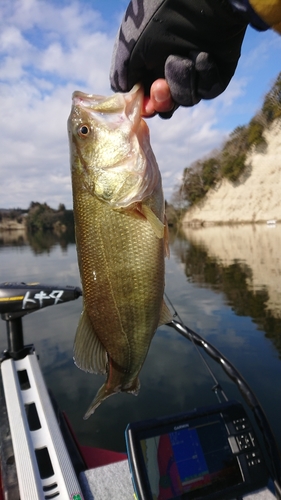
[(271, 108), (193, 188), (199, 178)]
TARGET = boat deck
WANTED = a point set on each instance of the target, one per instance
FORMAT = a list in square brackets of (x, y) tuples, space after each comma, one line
[(114, 481)]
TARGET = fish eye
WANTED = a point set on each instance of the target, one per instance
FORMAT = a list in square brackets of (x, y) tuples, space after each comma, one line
[(83, 130)]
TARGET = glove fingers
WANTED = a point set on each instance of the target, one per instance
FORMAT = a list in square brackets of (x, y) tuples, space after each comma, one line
[(211, 82), (180, 74), (194, 78)]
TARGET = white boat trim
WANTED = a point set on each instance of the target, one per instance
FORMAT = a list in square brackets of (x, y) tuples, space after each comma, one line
[(62, 481)]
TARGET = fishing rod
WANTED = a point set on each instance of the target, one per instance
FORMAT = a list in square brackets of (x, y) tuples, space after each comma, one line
[(217, 388), (243, 387)]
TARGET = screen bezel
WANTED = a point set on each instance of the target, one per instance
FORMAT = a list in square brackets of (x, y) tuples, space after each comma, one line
[(137, 431), (144, 434)]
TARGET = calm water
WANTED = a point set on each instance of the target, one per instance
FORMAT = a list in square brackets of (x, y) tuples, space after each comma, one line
[(226, 285)]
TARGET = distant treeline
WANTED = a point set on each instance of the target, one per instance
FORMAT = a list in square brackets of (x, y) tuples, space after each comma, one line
[(41, 217), (229, 162), (15, 214)]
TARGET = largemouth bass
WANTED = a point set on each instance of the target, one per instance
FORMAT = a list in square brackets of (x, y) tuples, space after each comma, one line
[(121, 238)]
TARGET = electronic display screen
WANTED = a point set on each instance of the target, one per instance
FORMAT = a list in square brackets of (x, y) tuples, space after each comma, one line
[(187, 459)]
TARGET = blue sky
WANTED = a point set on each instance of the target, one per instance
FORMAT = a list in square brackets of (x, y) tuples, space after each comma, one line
[(48, 49)]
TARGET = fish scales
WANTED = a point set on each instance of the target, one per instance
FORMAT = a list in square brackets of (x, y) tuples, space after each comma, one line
[(121, 238), (121, 291)]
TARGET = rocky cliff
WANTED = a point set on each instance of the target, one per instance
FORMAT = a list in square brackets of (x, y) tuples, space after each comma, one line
[(8, 224), (255, 197)]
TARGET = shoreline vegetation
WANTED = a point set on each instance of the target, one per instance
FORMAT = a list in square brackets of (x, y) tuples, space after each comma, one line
[(230, 162), (39, 217), (238, 184), (253, 199)]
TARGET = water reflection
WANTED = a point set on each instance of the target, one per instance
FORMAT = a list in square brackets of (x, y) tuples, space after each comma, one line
[(13, 238), (244, 263), (255, 246), (40, 241), (214, 294)]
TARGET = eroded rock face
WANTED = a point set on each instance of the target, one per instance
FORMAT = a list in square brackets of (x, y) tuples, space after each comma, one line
[(255, 197)]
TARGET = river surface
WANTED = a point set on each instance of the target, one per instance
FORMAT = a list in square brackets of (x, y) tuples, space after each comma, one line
[(225, 283)]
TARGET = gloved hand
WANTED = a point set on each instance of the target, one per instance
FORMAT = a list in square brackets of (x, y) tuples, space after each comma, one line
[(193, 44)]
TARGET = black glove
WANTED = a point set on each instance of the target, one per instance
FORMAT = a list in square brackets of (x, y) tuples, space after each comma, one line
[(193, 44)]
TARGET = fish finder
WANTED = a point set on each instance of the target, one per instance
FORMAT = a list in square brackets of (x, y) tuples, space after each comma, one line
[(208, 453)]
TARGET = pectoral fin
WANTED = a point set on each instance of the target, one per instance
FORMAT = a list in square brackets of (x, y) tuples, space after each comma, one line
[(89, 353), (161, 230), (156, 224)]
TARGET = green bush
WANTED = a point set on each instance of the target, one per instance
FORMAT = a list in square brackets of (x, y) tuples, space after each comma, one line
[(271, 108), (41, 217), (198, 179), (255, 133), (210, 169), (233, 166)]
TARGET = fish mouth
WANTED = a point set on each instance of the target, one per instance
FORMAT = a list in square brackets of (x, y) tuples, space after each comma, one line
[(86, 100), (117, 103)]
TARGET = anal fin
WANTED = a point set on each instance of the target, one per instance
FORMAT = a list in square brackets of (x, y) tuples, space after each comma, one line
[(165, 315), (89, 353)]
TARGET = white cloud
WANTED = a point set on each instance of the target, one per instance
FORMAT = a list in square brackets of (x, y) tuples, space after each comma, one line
[(177, 143), (260, 51), (236, 89), (48, 50), (53, 18), (36, 87), (12, 40)]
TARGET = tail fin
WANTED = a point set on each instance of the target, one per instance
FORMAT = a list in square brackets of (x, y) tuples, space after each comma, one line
[(105, 391)]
